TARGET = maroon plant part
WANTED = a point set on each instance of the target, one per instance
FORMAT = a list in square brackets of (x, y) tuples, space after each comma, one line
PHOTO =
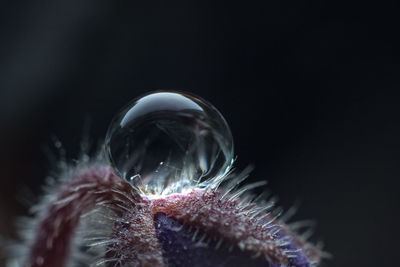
[(192, 216)]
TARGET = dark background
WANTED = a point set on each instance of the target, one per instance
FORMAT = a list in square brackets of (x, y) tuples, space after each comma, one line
[(309, 88)]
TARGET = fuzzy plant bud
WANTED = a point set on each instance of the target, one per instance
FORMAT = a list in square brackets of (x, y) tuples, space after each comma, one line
[(161, 194)]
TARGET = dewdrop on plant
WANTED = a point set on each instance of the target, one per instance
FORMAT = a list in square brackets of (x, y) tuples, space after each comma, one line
[(169, 142), (163, 196), (176, 150)]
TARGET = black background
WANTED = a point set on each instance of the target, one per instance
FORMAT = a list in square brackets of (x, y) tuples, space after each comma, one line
[(309, 88)]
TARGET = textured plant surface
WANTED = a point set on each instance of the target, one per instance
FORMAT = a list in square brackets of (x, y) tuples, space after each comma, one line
[(92, 217), (169, 199)]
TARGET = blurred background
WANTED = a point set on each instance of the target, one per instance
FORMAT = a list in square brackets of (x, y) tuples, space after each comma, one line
[(309, 88)]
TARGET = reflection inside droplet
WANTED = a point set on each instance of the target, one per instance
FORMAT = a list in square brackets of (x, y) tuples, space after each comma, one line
[(165, 142)]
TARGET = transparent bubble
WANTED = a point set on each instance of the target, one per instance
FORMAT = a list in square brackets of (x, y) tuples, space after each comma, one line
[(166, 141)]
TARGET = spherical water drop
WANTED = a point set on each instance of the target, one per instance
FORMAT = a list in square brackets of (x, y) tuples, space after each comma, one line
[(165, 142)]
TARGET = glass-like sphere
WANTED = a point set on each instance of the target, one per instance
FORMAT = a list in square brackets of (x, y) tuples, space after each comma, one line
[(167, 141)]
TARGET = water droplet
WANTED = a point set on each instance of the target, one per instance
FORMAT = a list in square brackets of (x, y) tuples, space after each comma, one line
[(169, 141)]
